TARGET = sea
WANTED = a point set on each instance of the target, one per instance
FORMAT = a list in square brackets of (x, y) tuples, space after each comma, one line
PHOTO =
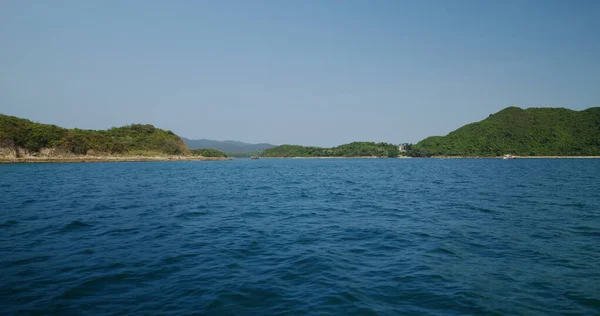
[(301, 237)]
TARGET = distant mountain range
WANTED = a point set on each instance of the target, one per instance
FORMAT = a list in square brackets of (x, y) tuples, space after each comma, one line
[(227, 146)]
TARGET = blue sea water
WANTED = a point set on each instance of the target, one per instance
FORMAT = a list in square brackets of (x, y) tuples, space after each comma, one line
[(302, 236)]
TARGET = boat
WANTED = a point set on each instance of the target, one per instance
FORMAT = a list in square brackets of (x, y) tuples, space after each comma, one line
[(509, 156), (254, 157)]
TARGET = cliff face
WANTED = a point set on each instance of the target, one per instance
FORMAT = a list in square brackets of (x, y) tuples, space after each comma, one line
[(20, 138), (8, 149)]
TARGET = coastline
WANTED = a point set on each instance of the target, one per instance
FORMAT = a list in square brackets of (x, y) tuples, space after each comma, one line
[(357, 157), (442, 157), (557, 157), (81, 159), (76, 159), (517, 157)]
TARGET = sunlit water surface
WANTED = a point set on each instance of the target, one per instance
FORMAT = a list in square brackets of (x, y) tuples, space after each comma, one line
[(302, 236)]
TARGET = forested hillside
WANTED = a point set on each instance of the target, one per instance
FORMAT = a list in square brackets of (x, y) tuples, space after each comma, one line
[(23, 135), (208, 152), (230, 147), (529, 132), (355, 149)]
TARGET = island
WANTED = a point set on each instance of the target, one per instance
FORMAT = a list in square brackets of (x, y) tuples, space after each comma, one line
[(22, 140), (532, 132), (512, 132), (355, 149), (208, 152)]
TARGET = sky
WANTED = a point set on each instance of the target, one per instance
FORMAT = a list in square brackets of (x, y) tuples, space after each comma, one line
[(305, 72)]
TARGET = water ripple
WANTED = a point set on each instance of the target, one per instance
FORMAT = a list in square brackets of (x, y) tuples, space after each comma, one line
[(351, 237)]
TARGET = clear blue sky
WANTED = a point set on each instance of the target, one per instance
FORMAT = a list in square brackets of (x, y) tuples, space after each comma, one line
[(304, 72)]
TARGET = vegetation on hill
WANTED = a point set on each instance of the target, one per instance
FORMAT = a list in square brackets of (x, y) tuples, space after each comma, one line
[(529, 132), (243, 155), (233, 148), (355, 149), (131, 139), (207, 152)]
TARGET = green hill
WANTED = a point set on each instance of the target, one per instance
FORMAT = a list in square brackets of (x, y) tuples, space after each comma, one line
[(209, 152), (355, 149), (230, 147), (23, 137), (529, 132)]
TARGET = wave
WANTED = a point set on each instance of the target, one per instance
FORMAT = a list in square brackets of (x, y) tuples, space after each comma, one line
[(9, 223), (75, 225)]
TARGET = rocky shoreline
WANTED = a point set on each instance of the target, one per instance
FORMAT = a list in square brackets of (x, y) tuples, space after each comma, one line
[(74, 159)]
